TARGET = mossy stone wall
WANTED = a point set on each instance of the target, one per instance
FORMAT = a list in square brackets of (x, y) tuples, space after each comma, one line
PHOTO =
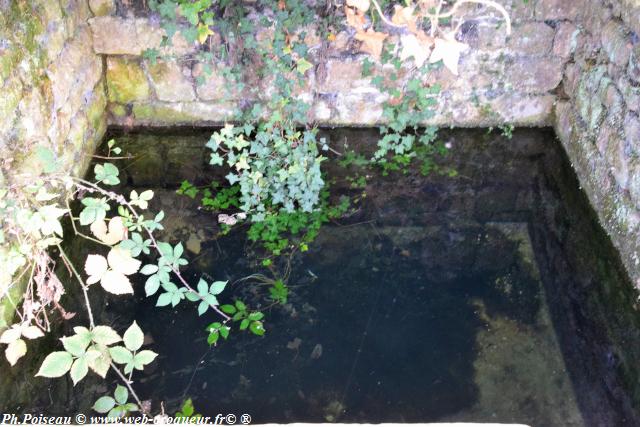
[(53, 95)]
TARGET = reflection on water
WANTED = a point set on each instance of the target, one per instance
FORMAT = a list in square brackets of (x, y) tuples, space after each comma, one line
[(474, 298)]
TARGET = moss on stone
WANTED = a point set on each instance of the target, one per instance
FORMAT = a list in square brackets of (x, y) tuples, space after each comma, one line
[(163, 113), (126, 81)]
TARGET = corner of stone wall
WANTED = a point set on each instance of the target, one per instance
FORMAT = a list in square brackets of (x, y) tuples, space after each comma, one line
[(53, 92), (597, 120)]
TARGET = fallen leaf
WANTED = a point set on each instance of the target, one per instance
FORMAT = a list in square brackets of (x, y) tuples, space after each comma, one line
[(282, 5), (227, 219), (448, 50), (362, 5), (418, 48), (372, 42), (404, 16), (355, 18)]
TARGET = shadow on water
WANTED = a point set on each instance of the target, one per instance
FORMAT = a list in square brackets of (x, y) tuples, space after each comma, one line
[(491, 296)]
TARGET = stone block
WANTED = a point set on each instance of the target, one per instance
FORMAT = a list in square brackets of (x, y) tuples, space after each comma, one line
[(633, 70), (632, 132), (558, 9), (214, 86), (565, 40), (149, 35), (630, 93), (616, 43), (114, 36), (171, 82), (532, 38), (342, 76), (126, 81), (534, 75), (102, 7)]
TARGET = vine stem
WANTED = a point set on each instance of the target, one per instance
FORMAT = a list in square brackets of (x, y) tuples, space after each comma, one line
[(126, 381), (128, 384), (91, 187), (450, 12), (84, 287)]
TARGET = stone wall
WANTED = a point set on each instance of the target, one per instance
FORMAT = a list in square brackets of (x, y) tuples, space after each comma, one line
[(597, 118), (52, 90), (503, 79)]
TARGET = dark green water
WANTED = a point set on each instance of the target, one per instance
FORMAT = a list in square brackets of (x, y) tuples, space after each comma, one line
[(490, 296)]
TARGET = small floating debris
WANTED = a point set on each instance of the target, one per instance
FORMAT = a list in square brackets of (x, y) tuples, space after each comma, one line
[(317, 352), (294, 344)]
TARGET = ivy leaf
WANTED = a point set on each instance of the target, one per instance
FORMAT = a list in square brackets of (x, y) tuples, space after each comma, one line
[(372, 42), (55, 365), (303, 65), (448, 50), (133, 337), (104, 404)]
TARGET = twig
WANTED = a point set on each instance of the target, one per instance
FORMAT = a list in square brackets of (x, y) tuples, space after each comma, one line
[(84, 287)]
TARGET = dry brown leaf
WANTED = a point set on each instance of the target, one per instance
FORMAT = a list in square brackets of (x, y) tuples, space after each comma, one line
[(448, 50), (404, 16), (282, 5), (355, 18), (371, 42), (362, 5)]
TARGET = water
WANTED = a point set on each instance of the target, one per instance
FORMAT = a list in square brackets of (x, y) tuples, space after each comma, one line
[(491, 296)]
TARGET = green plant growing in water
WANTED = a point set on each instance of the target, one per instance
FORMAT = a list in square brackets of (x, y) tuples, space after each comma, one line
[(248, 320)]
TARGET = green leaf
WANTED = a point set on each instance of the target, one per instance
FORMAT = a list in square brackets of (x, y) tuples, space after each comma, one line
[(121, 394), (256, 316), (79, 369), (55, 365), (101, 364), (105, 335), (76, 344), (244, 324), (149, 269), (107, 173), (164, 299), (133, 337), (228, 309), (152, 285), (217, 287), (240, 305), (303, 65), (104, 404), (121, 355), (257, 328), (143, 358)]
